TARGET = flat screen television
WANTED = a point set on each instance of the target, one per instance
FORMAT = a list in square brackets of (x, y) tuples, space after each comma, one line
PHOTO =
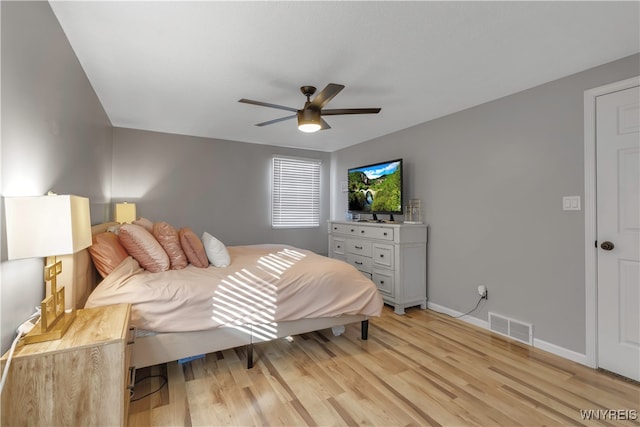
[(376, 188)]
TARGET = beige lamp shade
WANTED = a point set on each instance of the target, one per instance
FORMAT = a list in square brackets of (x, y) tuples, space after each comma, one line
[(44, 226), (125, 213)]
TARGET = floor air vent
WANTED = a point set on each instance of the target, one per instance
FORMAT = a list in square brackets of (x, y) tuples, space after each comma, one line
[(515, 329)]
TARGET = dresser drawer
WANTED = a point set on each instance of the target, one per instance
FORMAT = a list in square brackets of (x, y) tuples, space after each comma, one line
[(348, 229), (381, 233), (360, 262), (340, 257), (382, 255), (383, 281), (339, 246), (360, 247)]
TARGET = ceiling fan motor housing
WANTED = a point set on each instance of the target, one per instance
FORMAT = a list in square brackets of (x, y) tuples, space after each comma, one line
[(309, 114)]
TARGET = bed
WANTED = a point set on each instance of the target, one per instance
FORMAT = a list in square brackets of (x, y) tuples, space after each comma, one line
[(255, 299)]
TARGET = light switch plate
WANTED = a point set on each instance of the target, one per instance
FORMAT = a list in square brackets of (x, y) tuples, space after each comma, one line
[(571, 203)]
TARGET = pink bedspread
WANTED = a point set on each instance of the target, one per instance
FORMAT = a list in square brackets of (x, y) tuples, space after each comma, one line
[(263, 284)]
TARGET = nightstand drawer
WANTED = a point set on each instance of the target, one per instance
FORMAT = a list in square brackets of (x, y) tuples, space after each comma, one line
[(129, 371), (362, 263)]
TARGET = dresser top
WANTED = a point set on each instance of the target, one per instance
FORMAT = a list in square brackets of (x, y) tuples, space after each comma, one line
[(395, 224)]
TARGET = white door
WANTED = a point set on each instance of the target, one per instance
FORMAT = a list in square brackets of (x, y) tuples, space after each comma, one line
[(618, 231)]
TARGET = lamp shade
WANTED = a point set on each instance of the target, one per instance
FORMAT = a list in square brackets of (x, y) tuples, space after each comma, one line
[(44, 226), (125, 213)]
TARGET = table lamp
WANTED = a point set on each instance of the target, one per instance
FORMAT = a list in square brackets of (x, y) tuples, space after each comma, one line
[(47, 226), (125, 213)]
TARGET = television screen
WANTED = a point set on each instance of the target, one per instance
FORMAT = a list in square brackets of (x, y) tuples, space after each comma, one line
[(376, 188)]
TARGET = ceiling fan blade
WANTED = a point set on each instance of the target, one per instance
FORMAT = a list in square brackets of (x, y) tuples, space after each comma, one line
[(281, 119), (324, 125), (266, 104), (339, 111), (326, 95)]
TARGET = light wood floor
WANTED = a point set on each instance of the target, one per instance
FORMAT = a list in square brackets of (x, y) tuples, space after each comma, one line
[(419, 369)]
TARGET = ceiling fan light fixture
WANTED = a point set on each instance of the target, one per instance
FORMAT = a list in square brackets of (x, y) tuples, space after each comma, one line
[(309, 120), (309, 117)]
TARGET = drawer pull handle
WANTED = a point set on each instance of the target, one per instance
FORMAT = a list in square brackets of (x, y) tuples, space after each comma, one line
[(382, 282), (385, 233), (132, 335), (352, 230), (358, 247), (381, 256), (132, 378), (362, 231), (358, 262), (338, 246)]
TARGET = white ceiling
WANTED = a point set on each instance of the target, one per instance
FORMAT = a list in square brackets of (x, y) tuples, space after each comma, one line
[(180, 67)]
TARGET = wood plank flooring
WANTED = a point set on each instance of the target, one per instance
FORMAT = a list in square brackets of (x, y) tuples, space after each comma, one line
[(420, 369)]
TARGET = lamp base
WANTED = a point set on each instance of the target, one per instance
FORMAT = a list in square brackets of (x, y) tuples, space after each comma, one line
[(55, 332)]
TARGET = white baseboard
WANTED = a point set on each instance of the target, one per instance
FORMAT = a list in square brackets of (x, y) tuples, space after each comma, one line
[(538, 343), (469, 319), (562, 352)]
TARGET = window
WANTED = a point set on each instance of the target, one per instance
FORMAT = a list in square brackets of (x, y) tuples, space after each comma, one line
[(295, 193)]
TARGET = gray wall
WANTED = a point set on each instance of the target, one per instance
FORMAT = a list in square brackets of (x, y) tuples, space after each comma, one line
[(55, 136), (492, 179), (218, 186)]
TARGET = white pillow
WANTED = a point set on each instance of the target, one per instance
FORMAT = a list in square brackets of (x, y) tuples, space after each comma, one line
[(216, 251)]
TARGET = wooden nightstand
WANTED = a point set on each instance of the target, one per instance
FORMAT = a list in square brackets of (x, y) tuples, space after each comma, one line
[(81, 379)]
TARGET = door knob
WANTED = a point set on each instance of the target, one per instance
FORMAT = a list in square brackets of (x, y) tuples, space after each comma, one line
[(607, 246)]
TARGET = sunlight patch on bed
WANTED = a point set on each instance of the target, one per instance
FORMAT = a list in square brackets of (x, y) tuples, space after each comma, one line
[(246, 299)]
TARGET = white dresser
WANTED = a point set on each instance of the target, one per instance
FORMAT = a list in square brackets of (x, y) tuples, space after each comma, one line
[(393, 256)]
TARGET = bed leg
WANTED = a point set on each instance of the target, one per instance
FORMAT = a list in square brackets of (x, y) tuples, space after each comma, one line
[(249, 356), (364, 330)]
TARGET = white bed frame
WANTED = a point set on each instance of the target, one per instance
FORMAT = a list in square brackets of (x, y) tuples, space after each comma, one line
[(158, 348)]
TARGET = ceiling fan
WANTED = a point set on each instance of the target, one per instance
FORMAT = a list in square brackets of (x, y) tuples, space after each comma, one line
[(309, 117)]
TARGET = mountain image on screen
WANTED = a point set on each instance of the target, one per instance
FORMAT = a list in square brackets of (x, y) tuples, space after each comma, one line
[(376, 188)]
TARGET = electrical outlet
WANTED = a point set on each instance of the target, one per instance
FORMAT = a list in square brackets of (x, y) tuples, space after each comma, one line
[(483, 292)]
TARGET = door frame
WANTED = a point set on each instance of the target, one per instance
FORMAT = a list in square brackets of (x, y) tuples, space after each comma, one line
[(590, 217)]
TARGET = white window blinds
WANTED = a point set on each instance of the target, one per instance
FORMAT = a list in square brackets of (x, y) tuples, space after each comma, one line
[(295, 193)]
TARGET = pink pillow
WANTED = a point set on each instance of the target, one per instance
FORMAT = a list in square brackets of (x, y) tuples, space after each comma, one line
[(168, 238), (107, 252), (147, 224), (144, 248), (193, 248)]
